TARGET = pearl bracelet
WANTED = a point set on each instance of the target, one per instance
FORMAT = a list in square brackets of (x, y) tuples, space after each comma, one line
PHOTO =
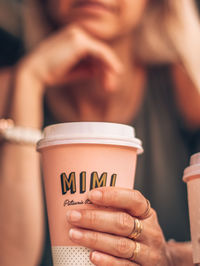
[(16, 134)]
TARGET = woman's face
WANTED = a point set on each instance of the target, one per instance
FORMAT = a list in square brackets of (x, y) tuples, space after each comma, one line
[(105, 19)]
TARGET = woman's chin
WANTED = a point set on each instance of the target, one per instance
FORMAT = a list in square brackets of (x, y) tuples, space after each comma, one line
[(99, 30)]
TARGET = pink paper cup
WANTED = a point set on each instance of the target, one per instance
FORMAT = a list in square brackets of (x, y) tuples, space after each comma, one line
[(192, 178), (78, 157)]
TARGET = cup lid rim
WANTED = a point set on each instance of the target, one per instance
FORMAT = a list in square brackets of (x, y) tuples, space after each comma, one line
[(193, 169), (190, 172), (91, 133)]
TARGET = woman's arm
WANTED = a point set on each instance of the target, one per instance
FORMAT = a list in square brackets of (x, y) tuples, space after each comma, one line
[(187, 98), (21, 208)]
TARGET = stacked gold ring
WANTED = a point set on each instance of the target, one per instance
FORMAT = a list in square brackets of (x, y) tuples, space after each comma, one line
[(137, 229), (136, 251)]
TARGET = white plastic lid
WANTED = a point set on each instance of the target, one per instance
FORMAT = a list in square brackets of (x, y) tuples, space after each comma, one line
[(90, 132), (194, 168)]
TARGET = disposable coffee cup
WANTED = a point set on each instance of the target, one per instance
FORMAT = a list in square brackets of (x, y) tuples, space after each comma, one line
[(76, 158), (192, 178)]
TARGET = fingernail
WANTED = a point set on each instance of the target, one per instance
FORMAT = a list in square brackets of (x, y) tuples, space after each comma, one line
[(95, 195), (73, 216), (75, 234), (95, 256)]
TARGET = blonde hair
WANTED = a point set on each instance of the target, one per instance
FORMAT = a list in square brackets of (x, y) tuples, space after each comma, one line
[(169, 33)]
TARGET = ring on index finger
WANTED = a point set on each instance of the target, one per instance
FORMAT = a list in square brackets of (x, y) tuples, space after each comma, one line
[(146, 214), (137, 229)]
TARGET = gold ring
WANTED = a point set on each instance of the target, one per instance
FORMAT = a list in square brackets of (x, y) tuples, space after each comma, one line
[(146, 214), (137, 229), (136, 251)]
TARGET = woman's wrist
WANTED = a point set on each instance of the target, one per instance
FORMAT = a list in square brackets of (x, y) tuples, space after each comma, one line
[(169, 255), (180, 253), (19, 135), (26, 108)]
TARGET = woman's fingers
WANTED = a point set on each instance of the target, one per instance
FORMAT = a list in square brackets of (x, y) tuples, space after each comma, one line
[(93, 68), (55, 59), (115, 232), (118, 223), (107, 221), (113, 245), (110, 81), (131, 200), (89, 46), (100, 259), (99, 60), (105, 54)]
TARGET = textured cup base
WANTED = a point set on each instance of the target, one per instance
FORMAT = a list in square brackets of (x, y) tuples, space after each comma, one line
[(71, 256)]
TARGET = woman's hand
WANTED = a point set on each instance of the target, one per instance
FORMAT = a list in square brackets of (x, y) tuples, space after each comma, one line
[(70, 54), (108, 232)]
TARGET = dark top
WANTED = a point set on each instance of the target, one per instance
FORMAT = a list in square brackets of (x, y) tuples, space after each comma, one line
[(168, 145), (11, 49)]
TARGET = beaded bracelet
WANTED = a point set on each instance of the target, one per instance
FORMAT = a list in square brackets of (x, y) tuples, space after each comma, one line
[(20, 135)]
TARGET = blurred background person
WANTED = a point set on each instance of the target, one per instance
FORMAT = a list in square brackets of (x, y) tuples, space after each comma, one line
[(133, 63)]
